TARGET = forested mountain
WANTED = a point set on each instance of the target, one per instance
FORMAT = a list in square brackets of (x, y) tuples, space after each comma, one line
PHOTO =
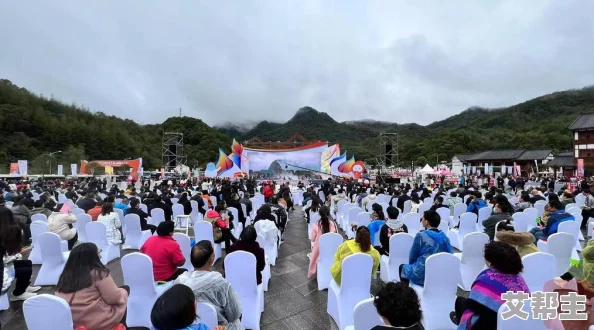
[(541, 122), (32, 125)]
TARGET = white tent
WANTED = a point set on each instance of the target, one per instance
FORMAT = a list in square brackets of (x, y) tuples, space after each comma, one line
[(427, 170)]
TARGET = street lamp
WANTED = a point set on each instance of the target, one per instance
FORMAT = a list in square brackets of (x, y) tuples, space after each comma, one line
[(50, 159)]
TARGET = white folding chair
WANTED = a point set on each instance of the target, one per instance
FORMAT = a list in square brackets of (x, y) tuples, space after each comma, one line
[(97, 233), (467, 226), (459, 209), (53, 259), (157, 216), (203, 231), (82, 221), (444, 214), (363, 219), (365, 316), (37, 228), (39, 217), (352, 219), (407, 207), (46, 311), (354, 287), (135, 236), (472, 258), (195, 215), (4, 304), (483, 214), (400, 245), (573, 228), (521, 222), (238, 226), (561, 246), (213, 200), (516, 323), (314, 217), (144, 207), (266, 274), (137, 269), (207, 314), (271, 235), (540, 207), (240, 271), (174, 200), (328, 244), (78, 211), (532, 215), (442, 274), (413, 223), (539, 268), (184, 244)]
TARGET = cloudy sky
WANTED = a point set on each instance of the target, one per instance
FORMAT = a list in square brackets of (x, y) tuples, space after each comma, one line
[(245, 60)]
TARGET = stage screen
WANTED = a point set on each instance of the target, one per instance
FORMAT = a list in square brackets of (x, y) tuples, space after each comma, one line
[(288, 163)]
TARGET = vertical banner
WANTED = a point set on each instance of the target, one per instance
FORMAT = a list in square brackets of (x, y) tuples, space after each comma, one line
[(60, 170), (580, 168), (503, 170), (536, 163), (14, 168), (478, 172), (73, 169), (486, 168), (23, 167), (514, 170), (519, 170), (474, 170)]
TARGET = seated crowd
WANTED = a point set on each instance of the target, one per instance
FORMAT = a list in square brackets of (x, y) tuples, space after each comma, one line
[(97, 303)]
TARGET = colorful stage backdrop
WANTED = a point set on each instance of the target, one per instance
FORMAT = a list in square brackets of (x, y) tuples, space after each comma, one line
[(310, 160)]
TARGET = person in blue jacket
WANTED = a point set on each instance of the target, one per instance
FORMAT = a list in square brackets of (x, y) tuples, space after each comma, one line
[(426, 243), (477, 203), (558, 215)]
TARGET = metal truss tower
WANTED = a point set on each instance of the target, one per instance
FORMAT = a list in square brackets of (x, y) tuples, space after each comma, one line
[(387, 155), (173, 150)]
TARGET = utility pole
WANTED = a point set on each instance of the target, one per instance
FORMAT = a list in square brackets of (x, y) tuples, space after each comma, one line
[(50, 159), (180, 112)]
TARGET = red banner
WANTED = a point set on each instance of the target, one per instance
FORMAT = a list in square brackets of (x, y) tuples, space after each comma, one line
[(14, 168)]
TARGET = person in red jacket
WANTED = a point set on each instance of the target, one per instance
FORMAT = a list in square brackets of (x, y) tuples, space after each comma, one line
[(268, 192)]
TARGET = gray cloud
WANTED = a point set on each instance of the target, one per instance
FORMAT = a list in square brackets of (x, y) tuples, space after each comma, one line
[(241, 61)]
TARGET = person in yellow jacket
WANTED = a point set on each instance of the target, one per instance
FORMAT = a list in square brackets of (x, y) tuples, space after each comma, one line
[(361, 244)]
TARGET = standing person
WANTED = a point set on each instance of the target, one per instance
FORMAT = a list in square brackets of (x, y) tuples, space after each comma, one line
[(211, 287), (86, 284), (12, 266), (247, 242), (426, 243), (165, 253), (323, 226), (112, 223), (479, 310), (588, 208), (62, 224)]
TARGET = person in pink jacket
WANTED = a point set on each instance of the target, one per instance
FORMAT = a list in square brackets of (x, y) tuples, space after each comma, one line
[(86, 285), (323, 226)]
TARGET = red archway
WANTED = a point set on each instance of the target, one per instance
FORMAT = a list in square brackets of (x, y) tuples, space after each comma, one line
[(135, 164)]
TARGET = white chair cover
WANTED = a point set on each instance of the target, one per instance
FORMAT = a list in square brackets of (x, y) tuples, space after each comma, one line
[(270, 232), (483, 214), (135, 237), (157, 216), (195, 215), (207, 314), (78, 212), (237, 226), (467, 226), (407, 207), (174, 200), (178, 209), (53, 259), (400, 245), (314, 217), (82, 221), (472, 258), (144, 207), (46, 311), (328, 244), (37, 228), (184, 244), (203, 231), (39, 217), (240, 271), (363, 219), (366, 316), (442, 274), (213, 200), (120, 213), (4, 304), (266, 274), (561, 246), (413, 223), (459, 209), (352, 219), (137, 269), (539, 268), (444, 214), (521, 222), (355, 286), (97, 233)]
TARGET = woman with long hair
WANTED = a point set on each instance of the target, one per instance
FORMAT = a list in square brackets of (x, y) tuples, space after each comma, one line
[(12, 266), (175, 309), (264, 213), (248, 242), (112, 223), (323, 226), (86, 284), (315, 206), (361, 244), (415, 203)]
